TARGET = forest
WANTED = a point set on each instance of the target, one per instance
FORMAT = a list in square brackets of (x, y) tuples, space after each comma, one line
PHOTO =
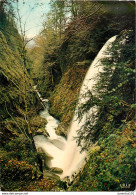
[(72, 34)]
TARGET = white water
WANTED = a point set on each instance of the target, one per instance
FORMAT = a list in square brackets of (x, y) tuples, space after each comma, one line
[(73, 159), (53, 145), (66, 154)]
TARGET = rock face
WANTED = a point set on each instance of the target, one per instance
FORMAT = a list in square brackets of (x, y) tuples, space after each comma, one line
[(14, 83)]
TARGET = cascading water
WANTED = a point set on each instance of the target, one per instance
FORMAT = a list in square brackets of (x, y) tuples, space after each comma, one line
[(73, 158), (66, 153), (53, 145)]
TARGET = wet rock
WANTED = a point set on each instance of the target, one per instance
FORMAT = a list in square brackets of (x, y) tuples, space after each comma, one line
[(44, 159), (41, 151), (56, 170), (48, 174)]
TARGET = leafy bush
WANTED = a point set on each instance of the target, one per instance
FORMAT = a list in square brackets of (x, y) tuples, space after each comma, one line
[(16, 170), (111, 163)]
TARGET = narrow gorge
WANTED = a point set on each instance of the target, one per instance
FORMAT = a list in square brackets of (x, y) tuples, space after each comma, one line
[(67, 109)]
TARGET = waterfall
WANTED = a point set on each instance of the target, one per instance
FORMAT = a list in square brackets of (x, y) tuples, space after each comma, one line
[(73, 158), (69, 157)]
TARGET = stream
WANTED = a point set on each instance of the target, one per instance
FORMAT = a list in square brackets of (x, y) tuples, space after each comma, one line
[(53, 145)]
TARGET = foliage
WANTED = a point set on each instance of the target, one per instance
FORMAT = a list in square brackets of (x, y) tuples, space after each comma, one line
[(17, 170), (114, 91), (112, 164), (17, 162)]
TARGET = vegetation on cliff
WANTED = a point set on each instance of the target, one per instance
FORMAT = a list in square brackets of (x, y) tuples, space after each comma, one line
[(20, 106), (85, 27)]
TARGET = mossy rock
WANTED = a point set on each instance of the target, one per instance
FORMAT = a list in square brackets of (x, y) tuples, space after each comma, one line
[(62, 130), (56, 170), (65, 95), (38, 126), (85, 63), (37, 121), (48, 174), (42, 131)]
